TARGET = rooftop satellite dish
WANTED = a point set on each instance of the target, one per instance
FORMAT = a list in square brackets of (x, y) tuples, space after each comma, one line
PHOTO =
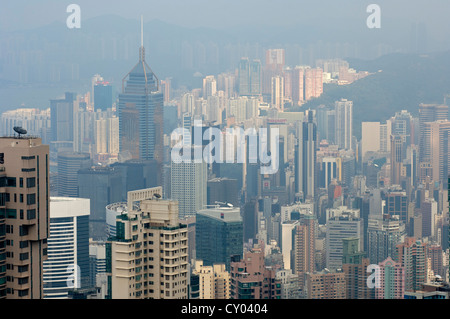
[(19, 130), (157, 195)]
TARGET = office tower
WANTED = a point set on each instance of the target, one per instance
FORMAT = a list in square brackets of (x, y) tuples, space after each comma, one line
[(62, 111), (383, 236), (313, 83), (223, 190), (344, 124), (303, 247), (112, 211), (24, 216), (385, 136), (35, 121), (412, 254), (251, 279), (297, 78), (326, 285), (392, 280), (214, 281), (305, 159), (218, 235), (250, 220), (103, 96), (397, 204), (69, 163), (429, 212), (67, 266), (403, 124), (102, 185), (249, 77), (277, 92), (436, 148), (398, 153), (188, 185), (354, 265), (344, 224), (148, 256), (140, 111), (330, 171), (429, 113), (138, 174), (275, 61), (166, 88)]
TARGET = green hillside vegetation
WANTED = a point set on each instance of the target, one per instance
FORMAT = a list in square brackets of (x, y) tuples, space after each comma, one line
[(398, 82)]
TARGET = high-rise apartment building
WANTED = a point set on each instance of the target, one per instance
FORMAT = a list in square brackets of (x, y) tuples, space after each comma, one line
[(355, 265), (218, 235), (344, 124), (392, 280), (35, 121), (251, 279), (429, 113), (67, 266), (313, 83), (24, 216), (436, 148), (303, 247), (214, 281), (277, 92), (326, 285), (412, 254), (148, 256)]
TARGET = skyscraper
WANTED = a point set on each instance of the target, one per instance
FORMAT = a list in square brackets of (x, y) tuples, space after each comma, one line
[(69, 163), (188, 185), (305, 159), (344, 124), (383, 235), (103, 96), (148, 257), (429, 113), (219, 235), (24, 216), (344, 224), (303, 247), (412, 254), (67, 266), (62, 111), (102, 185), (140, 111), (392, 280)]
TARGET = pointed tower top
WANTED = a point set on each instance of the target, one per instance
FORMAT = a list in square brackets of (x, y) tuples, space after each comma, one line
[(141, 49)]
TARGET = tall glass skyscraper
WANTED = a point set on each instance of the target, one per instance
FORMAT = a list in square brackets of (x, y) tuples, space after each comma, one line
[(141, 112)]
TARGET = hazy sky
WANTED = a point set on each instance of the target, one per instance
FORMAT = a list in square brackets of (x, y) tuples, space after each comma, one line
[(25, 14)]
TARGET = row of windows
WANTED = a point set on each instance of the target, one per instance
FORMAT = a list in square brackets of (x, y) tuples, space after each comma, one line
[(12, 181)]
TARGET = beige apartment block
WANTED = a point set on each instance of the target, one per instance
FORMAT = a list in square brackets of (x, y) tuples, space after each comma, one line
[(148, 258), (214, 281), (24, 216)]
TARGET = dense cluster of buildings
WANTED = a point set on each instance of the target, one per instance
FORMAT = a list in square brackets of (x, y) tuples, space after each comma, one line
[(93, 206)]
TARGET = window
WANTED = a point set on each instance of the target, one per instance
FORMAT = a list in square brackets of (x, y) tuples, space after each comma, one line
[(23, 256), (31, 214), (11, 213), (31, 199), (31, 182), (21, 198), (21, 182), (23, 231)]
